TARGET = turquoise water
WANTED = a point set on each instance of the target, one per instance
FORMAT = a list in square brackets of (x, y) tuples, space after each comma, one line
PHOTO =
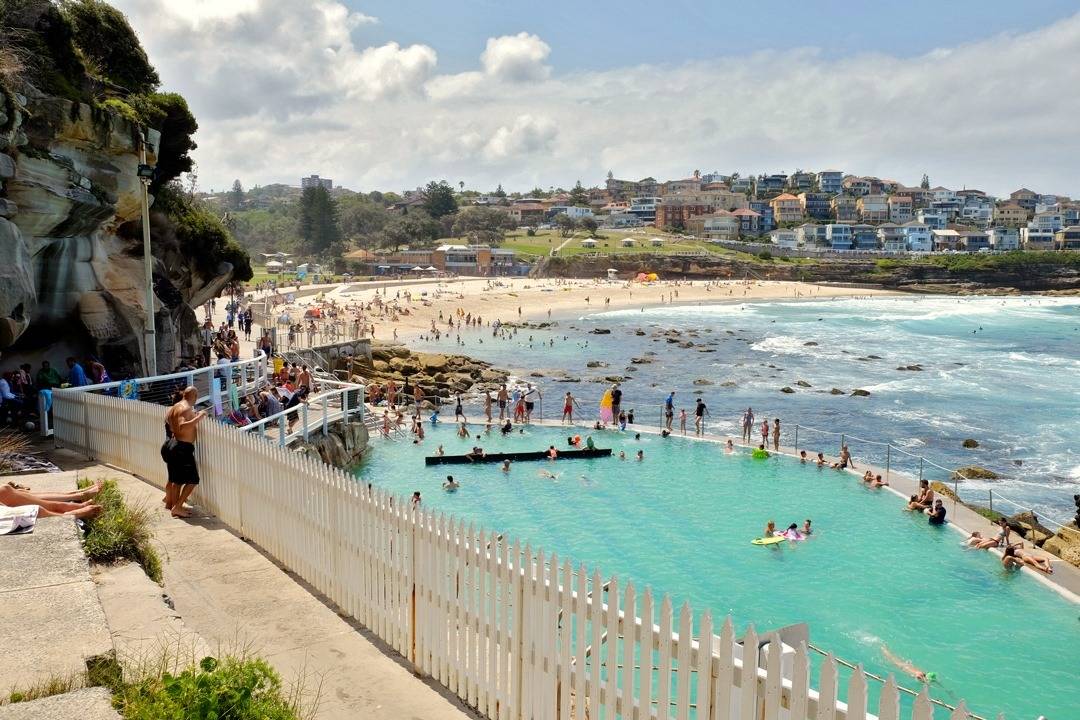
[(1004, 371), (681, 522)]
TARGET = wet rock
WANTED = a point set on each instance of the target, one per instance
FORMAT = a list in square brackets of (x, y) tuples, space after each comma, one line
[(974, 472), (703, 381), (600, 331), (640, 361), (596, 364), (787, 390), (859, 392), (639, 332), (615, 378), (836, 391), (1027, 524), (873, 357), (803, 384), (728, 384), (810, 344), (706, 350), (536, 374), (970, 443), (686, 344)]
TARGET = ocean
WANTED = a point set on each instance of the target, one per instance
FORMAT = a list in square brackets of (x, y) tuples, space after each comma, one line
[(1003, 371)]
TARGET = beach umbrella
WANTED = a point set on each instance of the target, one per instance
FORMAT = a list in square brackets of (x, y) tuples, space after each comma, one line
[(418, 269), (432, 269), (273, 264)]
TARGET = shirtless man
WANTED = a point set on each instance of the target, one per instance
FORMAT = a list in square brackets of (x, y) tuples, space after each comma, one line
[(907, 666), (181, 422), (923, 499), (502, 397)]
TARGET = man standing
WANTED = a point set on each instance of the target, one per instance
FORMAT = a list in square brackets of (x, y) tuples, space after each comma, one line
[(747, 424), (207, 335), (669, 409), (181, 422), (776, 434), (47, 377), (76, 374), (700, 411), (502, 397), (616, 400)]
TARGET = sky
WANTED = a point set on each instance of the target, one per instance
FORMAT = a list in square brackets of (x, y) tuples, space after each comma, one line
[(382, 95)]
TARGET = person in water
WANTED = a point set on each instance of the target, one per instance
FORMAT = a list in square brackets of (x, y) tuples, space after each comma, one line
[(451, 485), (802, 457), (507, 427), (770, 529), (923, 499), (729, 446), (821, 461), (552, 453), (622, 455), (506, 466), (589, 444), (439, 452), (907, 666), (640, 454), (806, 529), (936, 513), (1013, 558)]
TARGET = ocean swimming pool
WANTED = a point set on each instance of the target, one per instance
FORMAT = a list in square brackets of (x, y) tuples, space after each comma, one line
[(681, 522)]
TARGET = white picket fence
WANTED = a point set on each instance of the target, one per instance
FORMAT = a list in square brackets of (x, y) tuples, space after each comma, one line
[(514, 633)]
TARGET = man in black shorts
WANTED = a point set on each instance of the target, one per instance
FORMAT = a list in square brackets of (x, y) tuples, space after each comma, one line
[(502, 397), (700, 411), (616, 400)]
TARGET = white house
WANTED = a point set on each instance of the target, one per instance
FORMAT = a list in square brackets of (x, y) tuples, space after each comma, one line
[(933, 219), (917, 237), (785, 238), (1036, 239), (571, 211), (1004, 238), (838, 236)]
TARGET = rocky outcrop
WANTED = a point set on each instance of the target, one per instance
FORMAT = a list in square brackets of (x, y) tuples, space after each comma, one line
[(71, 266), (974, 472), (436, 374), (342, 446)]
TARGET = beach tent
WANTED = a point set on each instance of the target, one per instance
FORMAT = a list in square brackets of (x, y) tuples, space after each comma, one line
[(588, 242), (612, 273), (418, 269), (627, 242), (273, 265), (431, 268), (656, 241)]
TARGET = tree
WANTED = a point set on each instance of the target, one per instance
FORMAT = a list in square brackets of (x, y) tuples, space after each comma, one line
[(566, 224), (236, 195), (481, 225), (499, 192), (589, 225), (925, 184), (109, 45), (578, 196), (461, 185), (361, 217), (416, 228), (318, 220), (439, 199), (168, 113), (538, 192)]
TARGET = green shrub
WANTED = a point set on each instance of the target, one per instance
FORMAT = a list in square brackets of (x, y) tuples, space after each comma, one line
[(229, 689), (109, 46), (202, 235), (121, 532), (765, 255)]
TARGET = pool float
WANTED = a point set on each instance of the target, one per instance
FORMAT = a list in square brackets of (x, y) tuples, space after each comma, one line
[(767, 540), (759, 454)]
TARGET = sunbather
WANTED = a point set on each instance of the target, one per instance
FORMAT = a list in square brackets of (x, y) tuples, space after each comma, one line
[(73, 504)]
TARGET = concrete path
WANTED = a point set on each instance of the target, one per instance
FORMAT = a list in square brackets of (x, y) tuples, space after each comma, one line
[(236, 598), (50, 616), (88, 704)]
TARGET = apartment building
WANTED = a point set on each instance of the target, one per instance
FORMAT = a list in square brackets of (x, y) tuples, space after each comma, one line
[(845, 208), (1004, 238), (816, 205), (901, 209), (873, 209), (786, 208), (831, 181)]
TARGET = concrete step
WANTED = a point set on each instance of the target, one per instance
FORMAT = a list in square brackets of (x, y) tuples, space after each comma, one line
[(87, 704)]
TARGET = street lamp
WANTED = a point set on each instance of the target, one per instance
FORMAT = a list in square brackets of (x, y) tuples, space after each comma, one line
[(146, 175)]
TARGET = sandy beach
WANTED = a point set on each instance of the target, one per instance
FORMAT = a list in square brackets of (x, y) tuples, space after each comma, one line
[(411, 307)]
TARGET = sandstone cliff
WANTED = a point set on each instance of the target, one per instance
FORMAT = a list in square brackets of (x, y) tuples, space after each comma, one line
[(71, 269)]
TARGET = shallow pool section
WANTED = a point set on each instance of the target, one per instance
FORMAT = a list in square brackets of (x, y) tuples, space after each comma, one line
[(682, 519)]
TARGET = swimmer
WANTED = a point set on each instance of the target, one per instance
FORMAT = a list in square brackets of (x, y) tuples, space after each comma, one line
[(907, 666), (878, 482), (802, 457), (451, 485), (547, 474), (806, 529), (552, 453), (821, 461), (622, 455), (439, 452), (770, 529), (1013, 558), (792, 533), (506, 466), (729, 446), (640, 454)]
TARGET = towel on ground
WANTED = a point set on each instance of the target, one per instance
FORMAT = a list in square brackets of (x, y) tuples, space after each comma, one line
[(17, 520)]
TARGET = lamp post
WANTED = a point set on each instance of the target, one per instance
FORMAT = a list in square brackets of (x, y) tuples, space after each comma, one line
[(146, 175)]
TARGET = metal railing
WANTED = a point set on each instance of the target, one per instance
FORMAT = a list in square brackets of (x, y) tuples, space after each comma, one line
[(339, 401)]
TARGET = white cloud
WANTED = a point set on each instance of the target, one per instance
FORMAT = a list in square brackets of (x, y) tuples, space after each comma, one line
[(527, 135), (516, 58), (282, 91)]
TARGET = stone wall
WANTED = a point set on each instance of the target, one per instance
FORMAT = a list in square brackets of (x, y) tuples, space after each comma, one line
[(71, 266)]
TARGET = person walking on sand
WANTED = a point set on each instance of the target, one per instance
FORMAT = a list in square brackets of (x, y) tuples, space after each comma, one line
[(747, 423), (776, 434), (178, 452)]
